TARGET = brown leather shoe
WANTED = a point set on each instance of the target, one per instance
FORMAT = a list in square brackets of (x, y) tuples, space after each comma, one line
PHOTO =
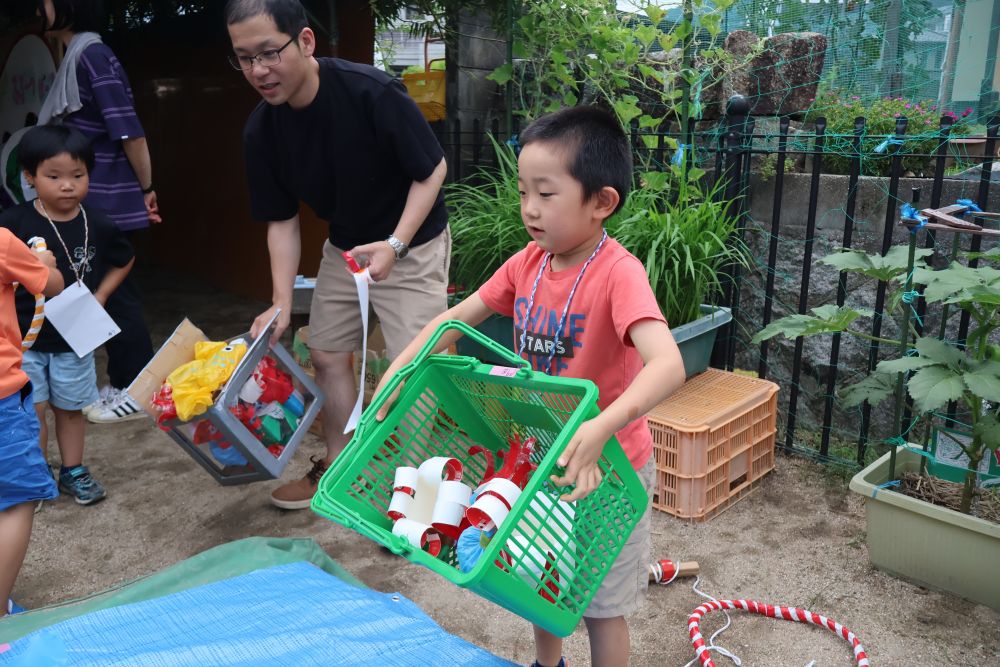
[(297, 495)]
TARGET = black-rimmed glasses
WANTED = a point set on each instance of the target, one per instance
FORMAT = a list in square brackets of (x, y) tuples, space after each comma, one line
[(268, 58)]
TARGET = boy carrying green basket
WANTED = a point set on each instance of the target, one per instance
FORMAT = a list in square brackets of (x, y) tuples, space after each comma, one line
[(582, 307)]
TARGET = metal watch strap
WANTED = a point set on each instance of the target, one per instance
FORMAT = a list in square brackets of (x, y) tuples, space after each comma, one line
[(398, 247)]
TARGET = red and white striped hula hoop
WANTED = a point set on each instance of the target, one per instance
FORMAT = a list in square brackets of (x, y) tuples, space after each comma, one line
[(783, 613)]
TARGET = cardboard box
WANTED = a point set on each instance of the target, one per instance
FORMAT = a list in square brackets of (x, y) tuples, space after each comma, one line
[(260, 464)]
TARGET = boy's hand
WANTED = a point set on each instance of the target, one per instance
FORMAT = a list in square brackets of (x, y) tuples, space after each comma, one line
[(580, 459), (389, 401), (47, 258)]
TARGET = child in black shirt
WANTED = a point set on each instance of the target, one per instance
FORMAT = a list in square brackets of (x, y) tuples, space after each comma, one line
[(89, 248)]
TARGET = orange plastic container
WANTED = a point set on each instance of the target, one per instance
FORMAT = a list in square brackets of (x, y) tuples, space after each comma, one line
[(713, 440)]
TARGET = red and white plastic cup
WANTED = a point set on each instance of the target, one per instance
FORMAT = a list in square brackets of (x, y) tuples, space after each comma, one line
[(419, 535)]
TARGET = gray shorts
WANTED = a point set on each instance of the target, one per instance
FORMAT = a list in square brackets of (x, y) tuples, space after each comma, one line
[(414, 293), (624, 589)]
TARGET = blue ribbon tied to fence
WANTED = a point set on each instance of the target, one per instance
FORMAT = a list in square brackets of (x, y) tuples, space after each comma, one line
[(907, 211), (890, 141), (678, 158), (969, 205)]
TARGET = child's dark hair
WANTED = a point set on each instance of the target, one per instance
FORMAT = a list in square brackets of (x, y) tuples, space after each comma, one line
[(598, 149), (78, 15), (288, 15), (47, 141)]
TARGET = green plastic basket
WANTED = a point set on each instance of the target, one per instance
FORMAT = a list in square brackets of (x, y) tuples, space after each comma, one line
[(546, 561)]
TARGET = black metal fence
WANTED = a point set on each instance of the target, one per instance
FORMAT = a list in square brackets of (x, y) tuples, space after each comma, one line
[(734, 153)]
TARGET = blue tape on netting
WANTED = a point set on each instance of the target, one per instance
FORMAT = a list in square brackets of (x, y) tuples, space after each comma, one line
[(678, 158), (971, 205), (907, 211), (293, 614), (514, 143), (884, 146)]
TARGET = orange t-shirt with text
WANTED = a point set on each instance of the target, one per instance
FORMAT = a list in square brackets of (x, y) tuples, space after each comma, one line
[(18, 264), (612, 295)]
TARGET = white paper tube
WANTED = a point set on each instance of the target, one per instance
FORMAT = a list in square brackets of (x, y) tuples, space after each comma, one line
[(399, 506), (419, 535), (447, 514), (406, 477), (440, 468), (487, 512), (454, 492), (502, 487)]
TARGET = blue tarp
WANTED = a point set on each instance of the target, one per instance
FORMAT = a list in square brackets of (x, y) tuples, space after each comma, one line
[(291, 614)]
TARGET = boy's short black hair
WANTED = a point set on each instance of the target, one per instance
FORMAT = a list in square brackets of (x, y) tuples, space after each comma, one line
[(599, 151), (79, 15), (288, 15), (47, 141)]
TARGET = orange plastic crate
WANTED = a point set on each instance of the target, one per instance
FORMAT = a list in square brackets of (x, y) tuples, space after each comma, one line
[(713, 440)]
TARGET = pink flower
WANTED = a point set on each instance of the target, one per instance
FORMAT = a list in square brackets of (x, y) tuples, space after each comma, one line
[(907, 106), (967, 111), (896, 115)]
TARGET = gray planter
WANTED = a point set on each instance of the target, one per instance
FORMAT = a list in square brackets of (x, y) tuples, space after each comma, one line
[(928, 545), (696, 339)]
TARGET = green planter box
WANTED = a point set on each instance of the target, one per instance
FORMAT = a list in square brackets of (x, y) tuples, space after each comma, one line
[(696, 339), (928, 545)]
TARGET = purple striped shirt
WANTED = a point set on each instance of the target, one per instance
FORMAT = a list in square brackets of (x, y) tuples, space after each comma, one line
[(107, 117)]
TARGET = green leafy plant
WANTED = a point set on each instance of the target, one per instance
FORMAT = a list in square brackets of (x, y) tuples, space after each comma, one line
[(921, 141), (934, 372), (485, 219), (686, 238)]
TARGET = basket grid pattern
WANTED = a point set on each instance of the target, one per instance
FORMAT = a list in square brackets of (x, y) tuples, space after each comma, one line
[(547, 561)]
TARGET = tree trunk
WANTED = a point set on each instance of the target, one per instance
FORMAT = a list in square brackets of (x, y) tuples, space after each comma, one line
[(951, 55)]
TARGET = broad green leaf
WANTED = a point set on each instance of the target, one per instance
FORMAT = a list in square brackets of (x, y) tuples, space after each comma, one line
[(826, 319), (988, 428), (992, 254), (875, 388), (694, 173), (519, 50), (655, 181), (983, 380), (955, 283), (934, 386), (501, 75), (903, 364), (893, 264), (940, 352), (654, 13), (646, 34), (711, 23)]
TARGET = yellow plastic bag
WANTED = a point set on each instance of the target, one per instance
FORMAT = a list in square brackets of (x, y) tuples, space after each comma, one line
[(195, 382)]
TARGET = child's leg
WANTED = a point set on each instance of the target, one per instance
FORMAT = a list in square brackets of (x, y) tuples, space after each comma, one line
[(15, 529), (70, 426), (548, 648), (610, 643), (43, 428)]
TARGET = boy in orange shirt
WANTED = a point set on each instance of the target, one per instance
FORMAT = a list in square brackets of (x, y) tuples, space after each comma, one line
[(583, 307), (24, 476)]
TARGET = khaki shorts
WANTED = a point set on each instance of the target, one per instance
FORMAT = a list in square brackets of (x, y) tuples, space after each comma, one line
[(414, 293), (624, 589)]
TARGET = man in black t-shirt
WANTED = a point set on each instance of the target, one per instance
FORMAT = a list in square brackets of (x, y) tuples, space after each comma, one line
[(346, 140)]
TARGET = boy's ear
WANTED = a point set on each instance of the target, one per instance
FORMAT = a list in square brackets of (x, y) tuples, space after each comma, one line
[(607, 199), (307, 42), (29, 177)]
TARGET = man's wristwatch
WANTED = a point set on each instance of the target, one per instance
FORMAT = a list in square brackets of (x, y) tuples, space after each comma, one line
[(398, 247)]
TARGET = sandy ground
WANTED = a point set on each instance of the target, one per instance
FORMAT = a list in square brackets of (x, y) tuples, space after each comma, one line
[(798, 539)]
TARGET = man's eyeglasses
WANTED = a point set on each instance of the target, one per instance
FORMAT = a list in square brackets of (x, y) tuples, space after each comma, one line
[(268, 58)]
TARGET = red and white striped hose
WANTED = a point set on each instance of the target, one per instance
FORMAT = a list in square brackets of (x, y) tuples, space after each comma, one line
[(783, 613)]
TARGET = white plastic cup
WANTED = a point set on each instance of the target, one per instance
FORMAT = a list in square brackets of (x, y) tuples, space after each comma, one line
[(439, 468), (406, 478), (454, 492), (419, 535), (399, 506), (487, 512), (251, 391)]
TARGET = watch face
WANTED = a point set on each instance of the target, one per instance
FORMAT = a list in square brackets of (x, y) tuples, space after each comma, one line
[(402, 252)]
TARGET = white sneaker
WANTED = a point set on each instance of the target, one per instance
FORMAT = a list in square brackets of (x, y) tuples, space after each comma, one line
[(120, 409), (107, 394)]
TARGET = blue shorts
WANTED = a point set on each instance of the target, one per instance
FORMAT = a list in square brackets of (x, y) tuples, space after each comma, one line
[(63, 379), (24, 475)]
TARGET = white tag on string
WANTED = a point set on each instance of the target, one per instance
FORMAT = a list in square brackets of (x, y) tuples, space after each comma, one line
[(80, 319), (361, 281)]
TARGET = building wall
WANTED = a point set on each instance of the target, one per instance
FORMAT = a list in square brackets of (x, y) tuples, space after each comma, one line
[(976, 33)]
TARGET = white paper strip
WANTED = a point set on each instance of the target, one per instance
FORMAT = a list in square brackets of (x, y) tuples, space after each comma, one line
[(361, 280)]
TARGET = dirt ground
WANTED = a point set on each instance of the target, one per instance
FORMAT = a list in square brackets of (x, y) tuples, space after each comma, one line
[(798, 539)]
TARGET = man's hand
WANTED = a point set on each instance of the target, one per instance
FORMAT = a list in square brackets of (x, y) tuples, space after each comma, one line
[(280, 324), (379, 257), (47, 258), (152, 208), (580, 459)]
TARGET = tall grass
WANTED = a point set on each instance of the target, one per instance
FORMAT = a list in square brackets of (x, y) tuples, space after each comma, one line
[(685, 237), (679, 231)]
